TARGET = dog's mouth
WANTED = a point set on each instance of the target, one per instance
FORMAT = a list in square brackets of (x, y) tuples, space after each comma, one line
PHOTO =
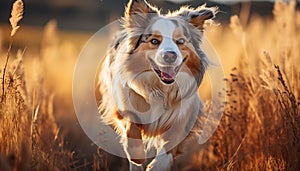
[(167, 74)]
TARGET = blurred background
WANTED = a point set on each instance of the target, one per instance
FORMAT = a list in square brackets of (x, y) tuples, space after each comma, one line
[(90, 15), (77, 20)]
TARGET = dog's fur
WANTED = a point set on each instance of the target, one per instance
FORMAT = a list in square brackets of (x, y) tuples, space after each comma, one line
[(149, 78)]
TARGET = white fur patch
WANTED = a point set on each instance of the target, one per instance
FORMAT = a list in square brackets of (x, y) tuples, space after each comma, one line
[(167, 29)]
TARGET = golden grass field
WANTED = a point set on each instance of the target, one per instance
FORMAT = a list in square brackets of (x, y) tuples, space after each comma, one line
[(259, 130)]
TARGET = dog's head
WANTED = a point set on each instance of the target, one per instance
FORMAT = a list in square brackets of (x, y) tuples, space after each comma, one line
[(166, 45)]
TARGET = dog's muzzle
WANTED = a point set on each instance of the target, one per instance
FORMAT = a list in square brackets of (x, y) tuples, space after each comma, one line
[(168, 70)]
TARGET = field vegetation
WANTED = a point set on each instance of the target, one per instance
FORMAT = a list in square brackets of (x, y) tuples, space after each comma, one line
[(259, 130)]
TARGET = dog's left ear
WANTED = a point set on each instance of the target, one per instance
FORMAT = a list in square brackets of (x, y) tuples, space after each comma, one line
[(197, 17)]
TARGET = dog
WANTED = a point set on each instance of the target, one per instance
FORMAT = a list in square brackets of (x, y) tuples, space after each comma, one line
[(148, 80)]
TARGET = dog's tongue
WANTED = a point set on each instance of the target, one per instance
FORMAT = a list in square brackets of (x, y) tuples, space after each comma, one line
[(168, 73)]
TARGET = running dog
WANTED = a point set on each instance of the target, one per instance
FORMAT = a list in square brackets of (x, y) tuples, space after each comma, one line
[(147, 82)]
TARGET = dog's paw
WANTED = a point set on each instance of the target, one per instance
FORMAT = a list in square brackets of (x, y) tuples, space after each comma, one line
[(162, 162), (133, 167), (157, 97)]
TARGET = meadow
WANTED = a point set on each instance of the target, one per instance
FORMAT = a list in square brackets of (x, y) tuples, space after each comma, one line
[(259, 130)]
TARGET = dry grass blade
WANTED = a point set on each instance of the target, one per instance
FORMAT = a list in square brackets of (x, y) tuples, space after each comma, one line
[(230, 164), (236, 25), (16, 16)]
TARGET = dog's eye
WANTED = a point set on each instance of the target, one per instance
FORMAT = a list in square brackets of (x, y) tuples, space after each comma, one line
[(154, 41), (180, 41)]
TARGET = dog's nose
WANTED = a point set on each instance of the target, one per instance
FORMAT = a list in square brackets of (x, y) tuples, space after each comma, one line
[(169, 57)]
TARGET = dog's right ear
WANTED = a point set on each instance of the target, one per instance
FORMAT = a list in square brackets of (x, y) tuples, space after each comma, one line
[(138, 7), (138, 12)]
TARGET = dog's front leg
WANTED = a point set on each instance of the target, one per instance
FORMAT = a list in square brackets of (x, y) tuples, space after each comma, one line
[(134, 167), (133, 146), (162, 162)]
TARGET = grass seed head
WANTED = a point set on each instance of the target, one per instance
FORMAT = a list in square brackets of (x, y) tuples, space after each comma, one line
[(16, 16)]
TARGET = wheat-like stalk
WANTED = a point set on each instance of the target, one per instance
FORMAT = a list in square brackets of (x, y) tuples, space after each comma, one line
[(16, 16)]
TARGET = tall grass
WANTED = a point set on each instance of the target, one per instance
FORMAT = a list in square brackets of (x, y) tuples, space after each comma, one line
[(16, 16), (30, 137), (260, 128)]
